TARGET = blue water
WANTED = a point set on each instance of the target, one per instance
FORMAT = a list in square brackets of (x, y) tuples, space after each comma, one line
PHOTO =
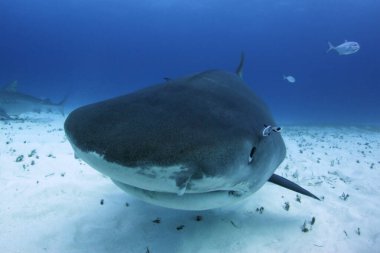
[(97, 49)]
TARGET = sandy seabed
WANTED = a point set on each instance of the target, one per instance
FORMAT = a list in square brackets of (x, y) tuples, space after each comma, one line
[(52, 202)]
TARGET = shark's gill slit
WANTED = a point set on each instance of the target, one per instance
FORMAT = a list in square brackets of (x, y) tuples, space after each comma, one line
[(253, 151)]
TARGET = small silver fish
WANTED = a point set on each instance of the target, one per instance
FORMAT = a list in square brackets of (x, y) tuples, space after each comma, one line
[(346, 48), (290, 79)]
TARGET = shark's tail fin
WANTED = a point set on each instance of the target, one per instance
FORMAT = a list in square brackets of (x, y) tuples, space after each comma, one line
[(61, 104), (331, 47)]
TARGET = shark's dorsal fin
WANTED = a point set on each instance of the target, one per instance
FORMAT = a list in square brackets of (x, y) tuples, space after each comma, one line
[(239, 70), (12, 87), (281, 181)]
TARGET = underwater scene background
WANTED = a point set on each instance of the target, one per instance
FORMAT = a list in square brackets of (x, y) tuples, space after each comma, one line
[(93, 50), (327, 102)]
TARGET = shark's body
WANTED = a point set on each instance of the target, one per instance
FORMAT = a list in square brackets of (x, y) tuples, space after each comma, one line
[(194, 143), (14, 103)]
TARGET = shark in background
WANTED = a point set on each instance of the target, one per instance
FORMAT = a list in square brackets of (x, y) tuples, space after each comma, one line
[(14, 103)]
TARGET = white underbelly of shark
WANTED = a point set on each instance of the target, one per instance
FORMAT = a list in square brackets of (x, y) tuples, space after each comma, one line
[(157, 185)]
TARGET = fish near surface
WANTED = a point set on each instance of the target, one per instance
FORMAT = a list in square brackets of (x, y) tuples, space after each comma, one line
[(290, 79), (193, 143), (14, 103), (346, 48)]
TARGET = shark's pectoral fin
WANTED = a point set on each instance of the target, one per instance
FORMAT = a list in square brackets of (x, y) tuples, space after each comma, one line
[(278, 180), (4, 115)]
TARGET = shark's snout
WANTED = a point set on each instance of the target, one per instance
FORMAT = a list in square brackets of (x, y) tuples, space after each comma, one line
[(193, 183)]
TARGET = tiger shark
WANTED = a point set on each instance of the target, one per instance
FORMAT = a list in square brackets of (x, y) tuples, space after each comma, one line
[(193, 143), (14, 103)]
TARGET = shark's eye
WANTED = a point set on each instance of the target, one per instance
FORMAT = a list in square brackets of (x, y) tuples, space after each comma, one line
[(253, 150)]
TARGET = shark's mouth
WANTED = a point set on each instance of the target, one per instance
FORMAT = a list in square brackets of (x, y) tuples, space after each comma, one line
[(187, 201), (165, 193)]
